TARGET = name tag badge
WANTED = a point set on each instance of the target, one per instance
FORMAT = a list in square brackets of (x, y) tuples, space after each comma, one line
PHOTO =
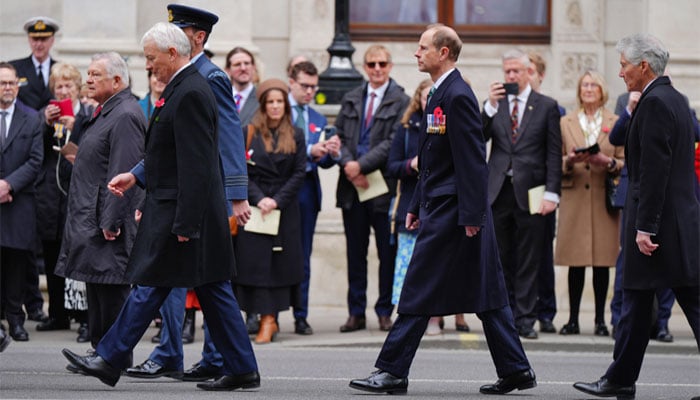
[(436, 122)]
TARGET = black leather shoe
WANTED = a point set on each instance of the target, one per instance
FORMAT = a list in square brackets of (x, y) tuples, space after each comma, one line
[(250, 380), (381, 382), (156, 337), (527, 332), (199, 373), (661, 334), (4, 340), (601, 329), (151, 369), (385, 323), (53, 324), (301, 327), (94, 365), (354, 323), (83, 333), (605, 388), (570, 328), (252, 324), (38, 316), (546, 326), (18, 333), (72, 368), (520, 380)]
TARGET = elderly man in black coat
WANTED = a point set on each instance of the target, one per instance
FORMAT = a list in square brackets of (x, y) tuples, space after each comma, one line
[(183, 238), (455, 266), (662, 227)]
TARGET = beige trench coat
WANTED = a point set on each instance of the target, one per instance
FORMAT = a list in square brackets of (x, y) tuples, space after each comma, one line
[(586, 233)]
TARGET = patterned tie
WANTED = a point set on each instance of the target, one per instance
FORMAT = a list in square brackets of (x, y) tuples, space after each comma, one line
[(514, 121), (3, 128), (370, 109), (238, 98)]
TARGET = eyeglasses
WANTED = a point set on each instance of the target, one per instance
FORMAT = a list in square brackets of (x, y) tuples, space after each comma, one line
[(8, 83), (373, 64), (307, 87)]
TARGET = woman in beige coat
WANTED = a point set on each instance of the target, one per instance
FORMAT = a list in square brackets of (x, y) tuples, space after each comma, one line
[(587, 233)]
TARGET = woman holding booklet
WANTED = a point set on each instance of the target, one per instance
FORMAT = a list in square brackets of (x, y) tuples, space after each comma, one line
[(269, 255)]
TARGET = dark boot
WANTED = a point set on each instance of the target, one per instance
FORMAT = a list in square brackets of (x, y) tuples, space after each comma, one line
[(188, 326)]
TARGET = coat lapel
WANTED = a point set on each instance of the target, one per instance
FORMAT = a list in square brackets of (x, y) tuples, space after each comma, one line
[(530, 108), (19, 118)]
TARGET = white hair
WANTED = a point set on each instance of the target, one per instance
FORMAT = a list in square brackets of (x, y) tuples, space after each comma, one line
[(516, 54), (644, 47), (115, 65), (166, 35)]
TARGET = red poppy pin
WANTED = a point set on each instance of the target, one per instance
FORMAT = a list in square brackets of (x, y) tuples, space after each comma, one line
[(312, 127), (437, 112), (160, 102), (606, 129)]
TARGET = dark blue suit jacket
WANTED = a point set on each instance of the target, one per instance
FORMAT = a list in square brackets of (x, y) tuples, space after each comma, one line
[(451, 273), (20, 161), (34, 94)]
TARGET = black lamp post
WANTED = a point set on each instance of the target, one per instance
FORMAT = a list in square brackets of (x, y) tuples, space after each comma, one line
[(341, 75)]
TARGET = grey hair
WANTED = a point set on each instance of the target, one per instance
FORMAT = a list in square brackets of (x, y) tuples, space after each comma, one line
[(644, 47), (166, 35), (516, 54), (115, 65)]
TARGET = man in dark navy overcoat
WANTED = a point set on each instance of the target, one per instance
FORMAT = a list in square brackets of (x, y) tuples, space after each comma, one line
[(455, 266)]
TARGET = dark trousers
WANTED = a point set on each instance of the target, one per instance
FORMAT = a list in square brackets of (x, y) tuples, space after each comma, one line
[(502, 338), (55, 284), (357, 221), (520, 242), (168, 353), (104, 303), (13, 273), (546, 297), (633, 330), (308, 207), (220, 309), (33, 299)]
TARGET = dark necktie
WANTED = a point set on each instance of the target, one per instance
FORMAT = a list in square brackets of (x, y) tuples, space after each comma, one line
[(368, 117), (40, 75), (514, 121), (430, 94), (3, 128)]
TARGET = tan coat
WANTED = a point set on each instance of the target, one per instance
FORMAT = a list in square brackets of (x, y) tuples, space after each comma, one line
[(587, 234)]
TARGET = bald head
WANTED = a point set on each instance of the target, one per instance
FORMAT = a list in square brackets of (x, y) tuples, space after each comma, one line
[(444, 36)]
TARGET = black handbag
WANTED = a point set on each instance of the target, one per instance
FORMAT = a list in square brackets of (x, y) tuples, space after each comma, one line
[(611, 183)]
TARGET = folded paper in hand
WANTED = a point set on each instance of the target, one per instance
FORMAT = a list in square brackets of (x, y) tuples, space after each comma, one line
[(266, 225), (534, 198), (377, 186)]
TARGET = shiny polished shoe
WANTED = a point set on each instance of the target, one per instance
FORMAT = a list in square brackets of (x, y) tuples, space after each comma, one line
[(53, 324), (385, 323), (527, 332), (301, 327), (200, 373), (188, 326), (72, 368), (18, 333), (151, 369), (4, 340), (601, 329), (546, 326), (570, 328), (94, 365), (226, 383), (381, 382), (37, 315), (520, 380), (354, 323), (605, 388)]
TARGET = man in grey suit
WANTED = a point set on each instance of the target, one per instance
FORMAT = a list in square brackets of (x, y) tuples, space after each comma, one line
[(21, 154), (240, 66), (523, 126)]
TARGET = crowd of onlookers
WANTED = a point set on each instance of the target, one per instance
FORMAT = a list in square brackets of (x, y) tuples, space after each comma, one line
[(56, 206)]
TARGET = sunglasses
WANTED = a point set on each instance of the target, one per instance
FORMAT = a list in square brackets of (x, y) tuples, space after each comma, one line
[(373, 64)]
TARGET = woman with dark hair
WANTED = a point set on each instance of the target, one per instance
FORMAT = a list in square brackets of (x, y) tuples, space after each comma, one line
[(270, 268)]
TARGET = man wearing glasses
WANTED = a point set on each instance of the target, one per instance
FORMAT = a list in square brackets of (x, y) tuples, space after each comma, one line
[(366, 122), (321, 150)]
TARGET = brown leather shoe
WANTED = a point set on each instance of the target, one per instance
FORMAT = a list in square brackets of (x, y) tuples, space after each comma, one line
[(385, 323), (268, 329), (354, 323)]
